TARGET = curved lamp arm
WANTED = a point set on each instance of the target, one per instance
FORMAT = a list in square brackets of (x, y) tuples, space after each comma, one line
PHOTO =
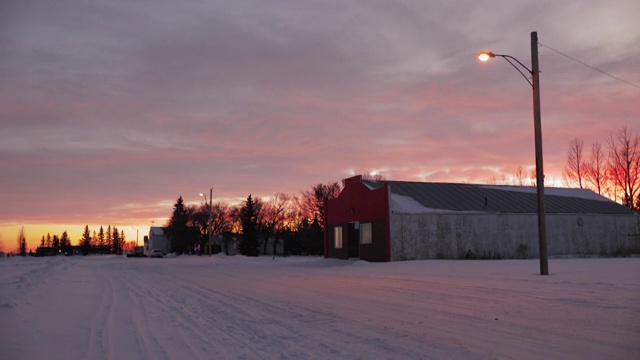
[(486, 55)]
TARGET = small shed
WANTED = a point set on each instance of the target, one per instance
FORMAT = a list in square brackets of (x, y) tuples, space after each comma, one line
[(400, 220)]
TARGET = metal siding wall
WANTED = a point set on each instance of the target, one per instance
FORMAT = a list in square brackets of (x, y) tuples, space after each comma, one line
[(450, 236)]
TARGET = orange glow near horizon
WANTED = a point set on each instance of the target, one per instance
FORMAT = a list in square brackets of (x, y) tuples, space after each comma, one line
[(34, 233)]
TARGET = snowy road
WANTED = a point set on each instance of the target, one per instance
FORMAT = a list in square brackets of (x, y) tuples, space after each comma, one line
[(311, 308)]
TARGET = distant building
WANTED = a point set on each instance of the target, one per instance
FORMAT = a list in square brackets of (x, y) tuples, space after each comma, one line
[(156, 240), (398, 220)]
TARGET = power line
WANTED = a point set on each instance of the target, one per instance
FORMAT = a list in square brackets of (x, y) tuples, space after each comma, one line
[(589, 66)]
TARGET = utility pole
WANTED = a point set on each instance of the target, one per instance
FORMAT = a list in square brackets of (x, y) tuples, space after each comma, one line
[(210, 217), (535, 84), (542, 227)]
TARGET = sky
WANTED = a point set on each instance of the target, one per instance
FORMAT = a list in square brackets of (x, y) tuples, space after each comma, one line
[(112, 109)]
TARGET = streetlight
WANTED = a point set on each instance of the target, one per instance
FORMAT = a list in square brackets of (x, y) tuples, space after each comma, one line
[(136, 235), (535, 84), (210, 214)]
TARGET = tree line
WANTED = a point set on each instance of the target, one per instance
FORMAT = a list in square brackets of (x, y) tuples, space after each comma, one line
[(102, 242), (612, 171), (294, 224)]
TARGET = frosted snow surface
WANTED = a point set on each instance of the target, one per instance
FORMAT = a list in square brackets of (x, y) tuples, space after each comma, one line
[(554, 191), (408, 205), (108, 307)]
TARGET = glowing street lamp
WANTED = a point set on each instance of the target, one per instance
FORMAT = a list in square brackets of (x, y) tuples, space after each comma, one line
[(535, 84), (210, 214), (485, 55)]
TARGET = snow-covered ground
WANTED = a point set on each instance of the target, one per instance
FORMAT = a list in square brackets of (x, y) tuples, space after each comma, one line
[(312, 308)]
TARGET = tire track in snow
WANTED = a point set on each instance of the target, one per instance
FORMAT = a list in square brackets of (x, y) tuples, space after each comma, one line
[(285, 328), (188, 310), (117, 330), (143, 330), (99, 338)]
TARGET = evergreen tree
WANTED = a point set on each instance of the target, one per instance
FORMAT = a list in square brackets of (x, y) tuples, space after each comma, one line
[(55, 242), (42, 241), (316, 237), (299, 243), (116, 247), (85, 241), (181, 236), (249, 245), (48, 242), (308, 239), (22, 242), (101, 240), (65, 243), (108, 241)]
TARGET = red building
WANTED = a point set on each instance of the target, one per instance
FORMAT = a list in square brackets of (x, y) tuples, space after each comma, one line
[(401, 220), (358, 223)]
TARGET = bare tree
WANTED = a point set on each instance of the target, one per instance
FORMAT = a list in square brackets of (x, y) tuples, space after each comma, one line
[(502, 180), (575, 169), (273, 219), (624, 163), (220, 221), (596, 171), (312, 202), (198, 218), (375, 176), (520, 176), (234, 218), (533, 177), (229, 224)]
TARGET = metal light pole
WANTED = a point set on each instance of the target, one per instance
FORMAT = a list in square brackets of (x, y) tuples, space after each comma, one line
[(535, 84), (210, 214), (136, 235)]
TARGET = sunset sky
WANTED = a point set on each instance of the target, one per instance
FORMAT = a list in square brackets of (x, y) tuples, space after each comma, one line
[(111, 109)]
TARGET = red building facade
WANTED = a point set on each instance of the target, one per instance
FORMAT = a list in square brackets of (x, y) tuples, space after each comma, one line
[(357, 223)]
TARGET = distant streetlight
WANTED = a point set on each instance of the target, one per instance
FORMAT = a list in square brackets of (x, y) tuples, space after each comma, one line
[(535, 84), (136, 235), (210, 214)]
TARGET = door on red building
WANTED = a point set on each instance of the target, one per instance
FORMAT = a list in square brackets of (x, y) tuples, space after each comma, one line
[(353, 239)]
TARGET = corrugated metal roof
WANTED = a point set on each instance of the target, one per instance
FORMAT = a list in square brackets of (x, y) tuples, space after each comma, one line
[(501, 199)]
